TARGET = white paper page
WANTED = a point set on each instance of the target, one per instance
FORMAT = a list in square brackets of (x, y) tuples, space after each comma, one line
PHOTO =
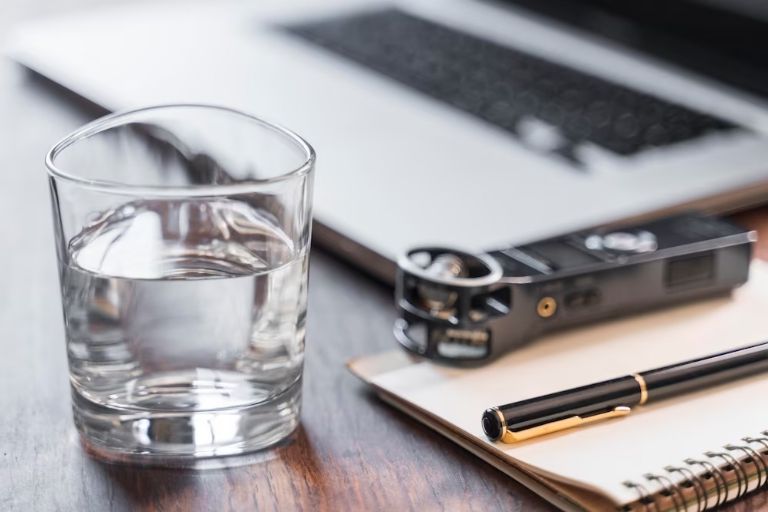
[(604, 455)]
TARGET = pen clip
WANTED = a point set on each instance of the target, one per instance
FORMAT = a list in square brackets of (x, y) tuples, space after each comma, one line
[(563, 424)]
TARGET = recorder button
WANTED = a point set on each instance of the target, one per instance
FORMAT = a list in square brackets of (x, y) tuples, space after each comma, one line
[(582, 299), (638, 242)]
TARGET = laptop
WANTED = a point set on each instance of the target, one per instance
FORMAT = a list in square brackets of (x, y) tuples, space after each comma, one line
[(463, 123)]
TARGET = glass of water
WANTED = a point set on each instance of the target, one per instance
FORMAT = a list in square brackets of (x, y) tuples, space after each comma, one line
[(183, 236)]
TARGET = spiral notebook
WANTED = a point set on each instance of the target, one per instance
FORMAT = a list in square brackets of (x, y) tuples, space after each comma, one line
[(691, 452)]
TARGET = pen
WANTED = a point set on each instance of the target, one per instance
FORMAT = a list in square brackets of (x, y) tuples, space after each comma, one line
[(614, 398)]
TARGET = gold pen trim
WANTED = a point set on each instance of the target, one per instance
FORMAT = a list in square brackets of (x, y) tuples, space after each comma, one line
[(503, 422), (510, 436), (643, 388)]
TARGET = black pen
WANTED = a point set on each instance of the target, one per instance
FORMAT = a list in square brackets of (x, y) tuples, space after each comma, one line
[(614, 398)]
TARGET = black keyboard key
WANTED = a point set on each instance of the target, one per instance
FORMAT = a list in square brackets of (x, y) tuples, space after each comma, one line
[(506, 87)]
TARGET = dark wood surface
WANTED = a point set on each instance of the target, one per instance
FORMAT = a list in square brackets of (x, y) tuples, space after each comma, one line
[(351, 453)]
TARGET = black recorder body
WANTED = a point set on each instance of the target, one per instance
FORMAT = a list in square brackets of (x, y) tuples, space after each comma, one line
[(464, 308)]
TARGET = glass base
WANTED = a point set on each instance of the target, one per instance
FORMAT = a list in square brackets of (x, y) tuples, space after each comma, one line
[(184, 438)]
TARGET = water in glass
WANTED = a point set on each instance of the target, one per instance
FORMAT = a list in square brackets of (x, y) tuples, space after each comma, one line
[(185, 320)]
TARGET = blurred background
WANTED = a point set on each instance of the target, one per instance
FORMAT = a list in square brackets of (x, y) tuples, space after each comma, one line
[(426, 134)]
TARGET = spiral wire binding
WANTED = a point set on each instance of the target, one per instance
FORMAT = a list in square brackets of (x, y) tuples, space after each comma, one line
[(696, 484), (757, 460), (645, 496), (697, 472), (670, 489), (741, 475), (721, 484)]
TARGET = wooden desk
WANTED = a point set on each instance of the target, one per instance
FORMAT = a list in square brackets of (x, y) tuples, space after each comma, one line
[(352, 452)]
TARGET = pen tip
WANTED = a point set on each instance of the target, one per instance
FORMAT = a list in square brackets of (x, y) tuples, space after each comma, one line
[(492, 425)]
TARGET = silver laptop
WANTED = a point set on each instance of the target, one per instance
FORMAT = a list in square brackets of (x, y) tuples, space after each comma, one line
[(455, 122)]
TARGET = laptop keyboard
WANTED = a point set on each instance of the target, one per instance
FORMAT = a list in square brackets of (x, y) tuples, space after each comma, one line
[(538, 101)]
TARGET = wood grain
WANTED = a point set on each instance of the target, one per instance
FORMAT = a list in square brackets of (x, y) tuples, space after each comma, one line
[(351, 453)]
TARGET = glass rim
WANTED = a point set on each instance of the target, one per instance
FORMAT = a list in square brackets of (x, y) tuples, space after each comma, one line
[(119, 118)]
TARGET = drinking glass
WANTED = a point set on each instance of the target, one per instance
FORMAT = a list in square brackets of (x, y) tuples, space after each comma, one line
[(182, 234)]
